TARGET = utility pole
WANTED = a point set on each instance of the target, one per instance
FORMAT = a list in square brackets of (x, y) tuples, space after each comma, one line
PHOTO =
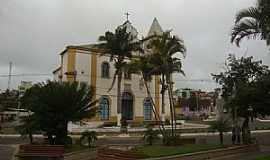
[(9, 75)]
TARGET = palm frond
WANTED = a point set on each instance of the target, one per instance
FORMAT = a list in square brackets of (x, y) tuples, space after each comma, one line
[(249, 13), (245, 29)]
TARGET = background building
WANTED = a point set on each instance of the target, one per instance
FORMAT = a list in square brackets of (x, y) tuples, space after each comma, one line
[(195, 103)]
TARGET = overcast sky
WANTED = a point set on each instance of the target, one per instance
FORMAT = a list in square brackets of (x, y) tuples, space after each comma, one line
[(34, 32)]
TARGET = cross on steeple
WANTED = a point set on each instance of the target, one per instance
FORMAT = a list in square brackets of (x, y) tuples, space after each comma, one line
[(127, 14)]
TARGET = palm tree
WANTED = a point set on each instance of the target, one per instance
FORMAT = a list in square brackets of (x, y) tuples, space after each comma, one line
[(91, 137), (253, 22), (54, 104), (221, 125), (120, 45), (165, 62), (144, 66)]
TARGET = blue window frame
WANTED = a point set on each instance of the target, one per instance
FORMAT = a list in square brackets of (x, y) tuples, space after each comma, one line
[(104, 108), (147, 108)]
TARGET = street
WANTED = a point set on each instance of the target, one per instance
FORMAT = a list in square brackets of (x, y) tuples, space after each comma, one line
[(6, 152), (9, 142)]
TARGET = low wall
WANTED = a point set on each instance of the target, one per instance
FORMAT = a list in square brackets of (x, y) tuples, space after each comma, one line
[(211, 154)]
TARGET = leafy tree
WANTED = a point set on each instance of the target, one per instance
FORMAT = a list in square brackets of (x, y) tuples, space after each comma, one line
[(9, 99), (221, 125), (164, 49), (120, 45), (54, 104), (242, 90), (193, 102), (253, 22), (91, 137)]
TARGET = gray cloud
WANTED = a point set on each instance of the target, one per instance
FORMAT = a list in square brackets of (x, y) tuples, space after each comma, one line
[(32, 32)]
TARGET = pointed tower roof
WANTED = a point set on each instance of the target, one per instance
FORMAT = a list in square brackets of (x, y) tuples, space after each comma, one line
[(155, 28)]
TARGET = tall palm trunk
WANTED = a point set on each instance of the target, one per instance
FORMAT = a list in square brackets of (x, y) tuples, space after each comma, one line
[(163, 94), (171, 103), (171, 92), (119, 97), (157, 117)]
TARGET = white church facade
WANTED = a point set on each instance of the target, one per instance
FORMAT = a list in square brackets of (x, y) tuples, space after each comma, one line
[(84, 64)]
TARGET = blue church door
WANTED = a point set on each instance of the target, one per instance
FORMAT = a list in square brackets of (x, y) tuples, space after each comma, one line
[(127, 106)]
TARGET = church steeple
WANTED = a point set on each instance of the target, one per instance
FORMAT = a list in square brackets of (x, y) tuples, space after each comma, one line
[(129, 28), (155, 28), (127, 14)]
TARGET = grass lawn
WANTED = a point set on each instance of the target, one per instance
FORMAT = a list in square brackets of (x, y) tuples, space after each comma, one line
[(159, 150), (263, 157), (8, 130)]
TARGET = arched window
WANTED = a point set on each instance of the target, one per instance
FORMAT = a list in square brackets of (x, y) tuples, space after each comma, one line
[(147, 110), (104, 108), (105, 70)]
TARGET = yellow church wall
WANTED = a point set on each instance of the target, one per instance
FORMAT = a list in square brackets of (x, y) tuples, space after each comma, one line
[(139, 119), (157, 94), (71, 64), (93, 75)]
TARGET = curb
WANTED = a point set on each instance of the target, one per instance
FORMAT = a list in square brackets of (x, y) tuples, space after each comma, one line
[(210, 153)]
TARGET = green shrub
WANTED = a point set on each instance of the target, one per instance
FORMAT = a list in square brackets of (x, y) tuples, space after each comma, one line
[(150, 136), (68, 141), (91, 138), (167, 122), (172, 140)]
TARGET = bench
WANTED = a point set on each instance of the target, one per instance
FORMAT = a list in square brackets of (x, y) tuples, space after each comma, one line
[(49, 152), (115, 154)]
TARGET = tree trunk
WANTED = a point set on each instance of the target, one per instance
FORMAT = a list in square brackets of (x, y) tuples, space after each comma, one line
[(119, 96), (163, 131), (89, 142), (246, 135), (61, 135), (171, 102), (171, 92), (50, 139), (163, 94), (150, 141), (221, 138), (30, 135)]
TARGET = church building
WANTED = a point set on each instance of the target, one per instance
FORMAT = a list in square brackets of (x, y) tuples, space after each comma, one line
[(84, 64)]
